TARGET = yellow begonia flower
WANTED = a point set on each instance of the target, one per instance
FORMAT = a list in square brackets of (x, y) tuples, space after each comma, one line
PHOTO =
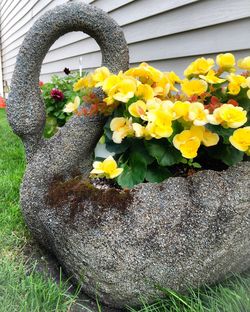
[(244, 63), (241, 139), (246, 84), (180, 110), (194, 87), (198, 114), (84, 82), (99, 76), (137, 109), (235, 82), (189, 141), (121, 127), (228, 116), (159, 130), (110, 83), (173, 77), (72, 106), (226, 61), (199, 67), (124, 90), (160, 122), (145, 92), (146, 73), (141, 131), (212, 78), (209, 138), (107, 168), (162, 87)]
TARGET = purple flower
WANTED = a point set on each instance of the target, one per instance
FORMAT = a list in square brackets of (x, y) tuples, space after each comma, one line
[(57, 94), (66, 71)]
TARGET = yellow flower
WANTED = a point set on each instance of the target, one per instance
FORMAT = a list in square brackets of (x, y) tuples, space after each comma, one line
[(188, 143), (244, 63), (141, 131), (110, 83), (157, 103), (173, 77), (246, 84), (233, 88), (160, 122), (193, 87), (181, 109), (84, 82), (107, 168), (72, 106), (145, 73), (99, 76), (241, 139), (212, 78), (226, 61), (209, 138), (228, 116), (235, 82), (159, 130), (121, 127), (124, 90), (198, 114), (166, 84), (199, 66), (145, 92), (137, 108)]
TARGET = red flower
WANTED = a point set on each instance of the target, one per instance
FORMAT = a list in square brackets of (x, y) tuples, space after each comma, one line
[(41, 83), (2, 102), (214, 103), (233, 102), (57, 94)]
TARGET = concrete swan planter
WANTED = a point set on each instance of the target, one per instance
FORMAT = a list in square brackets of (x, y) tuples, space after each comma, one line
[(183, 231)]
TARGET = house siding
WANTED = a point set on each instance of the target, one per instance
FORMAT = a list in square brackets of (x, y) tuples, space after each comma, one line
[(167, 34)]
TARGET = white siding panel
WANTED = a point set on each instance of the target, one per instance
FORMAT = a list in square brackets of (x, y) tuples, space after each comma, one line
[(153, 27), (14, 18), (10, 7), (218, 39), (110, 5), (177, 64), (198, 15)]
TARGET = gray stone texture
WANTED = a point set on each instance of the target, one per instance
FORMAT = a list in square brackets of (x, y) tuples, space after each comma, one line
[(178, 233)]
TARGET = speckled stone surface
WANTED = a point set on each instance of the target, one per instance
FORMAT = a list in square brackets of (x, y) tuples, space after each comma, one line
[(183, 231)]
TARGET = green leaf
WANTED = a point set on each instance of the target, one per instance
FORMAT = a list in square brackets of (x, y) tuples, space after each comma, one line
[(156, 173), (166, 155), (117, 148), (139, 153), (245, 103), (225, 133), (135, 168), (132, 175), (226, 153), (196, 165), (107, 131), (177, 128)]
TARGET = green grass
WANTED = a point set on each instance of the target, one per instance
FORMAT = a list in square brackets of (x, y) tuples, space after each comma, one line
[(231, 296), (22, 289)]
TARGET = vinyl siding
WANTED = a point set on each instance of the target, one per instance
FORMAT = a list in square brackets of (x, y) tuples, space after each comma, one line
[(167, 34)]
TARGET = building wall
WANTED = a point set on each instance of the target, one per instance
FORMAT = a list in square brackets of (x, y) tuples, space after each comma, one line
[(168, 34)]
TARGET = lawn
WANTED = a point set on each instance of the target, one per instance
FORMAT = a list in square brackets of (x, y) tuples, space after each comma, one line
[(23, 289)]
